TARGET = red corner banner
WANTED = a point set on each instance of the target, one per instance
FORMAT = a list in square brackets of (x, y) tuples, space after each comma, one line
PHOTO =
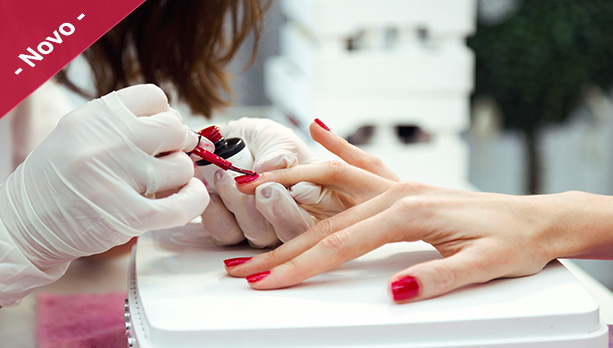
[(39, 38)]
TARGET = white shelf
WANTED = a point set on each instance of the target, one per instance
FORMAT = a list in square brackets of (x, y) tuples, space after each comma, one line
[(327, 18)]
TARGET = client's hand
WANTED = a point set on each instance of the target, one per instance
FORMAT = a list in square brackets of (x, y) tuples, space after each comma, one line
[(481, 236)]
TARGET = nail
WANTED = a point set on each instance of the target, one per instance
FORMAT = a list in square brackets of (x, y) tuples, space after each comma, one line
[(236, 261), (257, 277), (321, 124), (245, 179), (404, 288)]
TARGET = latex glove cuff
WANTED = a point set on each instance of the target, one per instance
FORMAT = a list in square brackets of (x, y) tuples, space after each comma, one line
[(18, 275)]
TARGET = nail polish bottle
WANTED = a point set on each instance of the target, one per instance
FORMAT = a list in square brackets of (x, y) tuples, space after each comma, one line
[(232, 149)]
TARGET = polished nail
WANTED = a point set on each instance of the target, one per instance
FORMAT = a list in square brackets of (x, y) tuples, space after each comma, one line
[(321, 124), (245, 179), (257, 276), (236, 261), (405, 288)]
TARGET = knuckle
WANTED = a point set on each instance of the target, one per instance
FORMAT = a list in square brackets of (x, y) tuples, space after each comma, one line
[(184, 167), (271, 257), (375, 162), (369, 161), (183, 161), (446, 278), (323, 228), (409, 187), (335, 242), (404, 205), (335, 169), (154, 90), (173, 124), (290, 266)]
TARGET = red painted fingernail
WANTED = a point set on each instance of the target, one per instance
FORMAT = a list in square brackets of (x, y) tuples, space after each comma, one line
[(236, 261), (257, 276), (245, 179), (321, 124), (405, 288)]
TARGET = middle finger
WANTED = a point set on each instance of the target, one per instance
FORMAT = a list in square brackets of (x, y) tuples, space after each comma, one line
[(330, 252), (310, 238)]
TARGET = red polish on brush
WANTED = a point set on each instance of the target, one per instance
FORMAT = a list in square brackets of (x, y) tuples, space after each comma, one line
[(220, 162)]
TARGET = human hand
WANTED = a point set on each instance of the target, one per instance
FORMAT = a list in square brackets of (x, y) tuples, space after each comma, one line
[(83, 190), (271, 215), (482, 236)]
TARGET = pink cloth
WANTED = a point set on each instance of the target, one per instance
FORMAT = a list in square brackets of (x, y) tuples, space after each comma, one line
[(81, 321), (91, 321)]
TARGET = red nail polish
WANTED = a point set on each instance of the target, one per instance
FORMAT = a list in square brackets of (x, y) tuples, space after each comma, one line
[(245, 179), (321, 124), (405, 288), (257, 276), (236, 261)]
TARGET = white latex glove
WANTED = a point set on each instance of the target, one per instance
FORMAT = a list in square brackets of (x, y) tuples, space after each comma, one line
[(272, 215), (85, 189)]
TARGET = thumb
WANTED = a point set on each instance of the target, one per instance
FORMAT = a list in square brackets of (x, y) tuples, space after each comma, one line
[(273, 161), (434, 278)]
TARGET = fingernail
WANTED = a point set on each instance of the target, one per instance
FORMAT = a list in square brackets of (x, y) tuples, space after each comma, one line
[(244, 179), (236, 261), (257, 277), (321, 124), (217, 176), (266, 192), (404, 288)]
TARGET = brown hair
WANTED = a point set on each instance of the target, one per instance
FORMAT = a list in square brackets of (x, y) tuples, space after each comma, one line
[(181, 44)]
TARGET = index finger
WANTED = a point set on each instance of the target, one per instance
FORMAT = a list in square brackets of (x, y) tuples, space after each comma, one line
[(332, 251), (308, 239), (350, 153), (164, 132), (359, 184)]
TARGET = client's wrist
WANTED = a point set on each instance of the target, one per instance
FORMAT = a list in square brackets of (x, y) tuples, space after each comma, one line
[(581, 225)]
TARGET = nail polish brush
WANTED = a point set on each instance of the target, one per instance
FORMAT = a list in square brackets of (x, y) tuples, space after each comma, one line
[(220, 162)]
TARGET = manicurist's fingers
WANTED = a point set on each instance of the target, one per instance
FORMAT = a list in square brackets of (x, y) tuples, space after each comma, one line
[(172, 171), (144, 100), (178, 208), (161, 133), (258, 231), (359, 184), (350, 153), (221, 223), (287, 218)]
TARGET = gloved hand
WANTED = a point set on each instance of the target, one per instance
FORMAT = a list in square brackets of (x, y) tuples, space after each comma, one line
[(272, 215), (89, 186)]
